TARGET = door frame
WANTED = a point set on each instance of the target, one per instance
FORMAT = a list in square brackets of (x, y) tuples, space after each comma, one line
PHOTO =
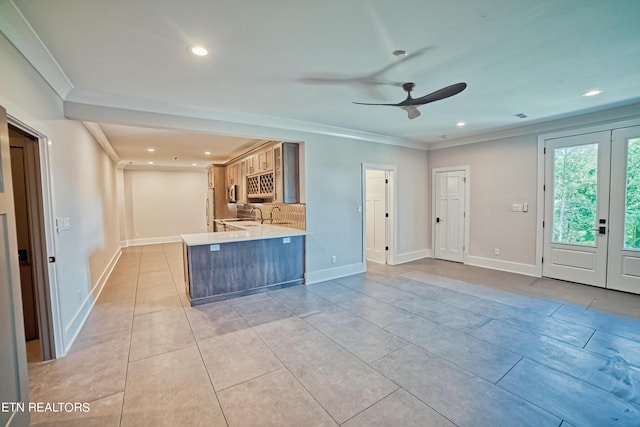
[(609, 125), (392, 241), (467, 207), (46, 287)]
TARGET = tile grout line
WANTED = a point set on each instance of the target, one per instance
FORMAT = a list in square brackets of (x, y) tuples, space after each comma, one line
[(206, 369), (407, 391), (285, 365), (133, 315), (204, 365)]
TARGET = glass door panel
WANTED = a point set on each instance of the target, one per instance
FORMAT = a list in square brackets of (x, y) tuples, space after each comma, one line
[(575, 194), (632, 199)]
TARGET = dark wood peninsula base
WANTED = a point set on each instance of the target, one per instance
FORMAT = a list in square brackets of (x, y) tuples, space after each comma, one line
[(219, 271)]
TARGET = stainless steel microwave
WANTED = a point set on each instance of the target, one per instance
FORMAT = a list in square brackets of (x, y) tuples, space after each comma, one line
[(232, 193)]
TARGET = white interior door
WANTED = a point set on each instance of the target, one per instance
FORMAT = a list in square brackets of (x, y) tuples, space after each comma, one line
[(577, 176), (13, 359), (376, 215), (449, 215), (624, 236)]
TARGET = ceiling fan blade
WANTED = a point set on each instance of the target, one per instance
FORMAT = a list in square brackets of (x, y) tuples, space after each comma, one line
[(412, 111), (439, 94), (368, 103), (370, 79)]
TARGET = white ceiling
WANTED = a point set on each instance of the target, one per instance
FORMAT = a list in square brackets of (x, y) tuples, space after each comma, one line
[(300, 64), (173, 148)]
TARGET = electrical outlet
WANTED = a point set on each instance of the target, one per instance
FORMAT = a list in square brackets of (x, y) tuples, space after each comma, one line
[(496, 251), (334, 259)]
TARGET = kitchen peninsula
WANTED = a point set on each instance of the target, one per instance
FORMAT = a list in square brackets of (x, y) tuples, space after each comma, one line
[(253, 258)]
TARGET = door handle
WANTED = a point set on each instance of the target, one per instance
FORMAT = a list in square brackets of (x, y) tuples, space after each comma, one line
[(601, 230), (438, 220)]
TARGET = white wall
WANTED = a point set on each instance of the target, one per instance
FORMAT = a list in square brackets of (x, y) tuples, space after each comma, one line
[(160, 205), (83, 186)]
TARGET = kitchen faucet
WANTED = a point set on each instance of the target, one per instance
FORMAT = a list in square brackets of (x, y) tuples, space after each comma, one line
[(271, 213), (261, 217)]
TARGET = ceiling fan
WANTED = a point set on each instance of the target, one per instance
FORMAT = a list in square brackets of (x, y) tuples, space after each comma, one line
[(410, 105)]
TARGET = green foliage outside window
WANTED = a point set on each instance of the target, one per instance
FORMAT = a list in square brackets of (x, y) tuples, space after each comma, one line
[(575, 185), (632, 211)]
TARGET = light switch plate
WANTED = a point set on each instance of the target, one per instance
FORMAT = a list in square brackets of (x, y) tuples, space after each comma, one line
[(516, 207)]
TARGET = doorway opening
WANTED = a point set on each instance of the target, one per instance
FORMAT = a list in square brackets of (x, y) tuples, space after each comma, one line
[(378, 234), (450, 205), (32, 252)]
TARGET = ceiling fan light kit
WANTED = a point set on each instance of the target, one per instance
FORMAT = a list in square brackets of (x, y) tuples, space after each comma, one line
[(410, 105)]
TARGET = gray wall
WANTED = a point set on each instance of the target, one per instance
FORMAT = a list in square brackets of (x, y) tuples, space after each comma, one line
[(502, 172)]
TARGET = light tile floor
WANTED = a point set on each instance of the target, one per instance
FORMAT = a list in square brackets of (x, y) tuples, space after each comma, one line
[(428, 343)]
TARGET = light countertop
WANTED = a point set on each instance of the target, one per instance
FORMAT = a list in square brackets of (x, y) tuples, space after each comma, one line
[(251, 230)]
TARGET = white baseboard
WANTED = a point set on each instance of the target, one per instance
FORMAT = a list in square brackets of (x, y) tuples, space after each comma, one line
[(153, 240), (412, 256), (334, 273), (75, 325), (508, 266)]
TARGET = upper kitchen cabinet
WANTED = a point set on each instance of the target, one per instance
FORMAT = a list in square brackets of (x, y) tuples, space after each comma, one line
[(210, 176), (268, 174), (251, 164), (233, 174), (286, 173), (265, 160)]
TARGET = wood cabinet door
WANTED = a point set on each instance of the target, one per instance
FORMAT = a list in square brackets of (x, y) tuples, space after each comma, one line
[(252, 164), (210, 179), (267, 159)]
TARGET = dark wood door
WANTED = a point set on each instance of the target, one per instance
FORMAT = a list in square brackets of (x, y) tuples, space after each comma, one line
[(20, 197)]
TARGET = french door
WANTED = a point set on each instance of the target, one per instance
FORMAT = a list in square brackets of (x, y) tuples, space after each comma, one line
[(624, 238), (592, 209)]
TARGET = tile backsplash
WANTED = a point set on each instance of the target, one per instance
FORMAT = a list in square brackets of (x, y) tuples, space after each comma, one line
[(293, 215)]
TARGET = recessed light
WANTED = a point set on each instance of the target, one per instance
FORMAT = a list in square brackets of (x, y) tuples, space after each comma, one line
[(460, 124), (593, 92), (149, 163), (207, 153), (199, 51), (400, 52), (151, 150), (520, 115), (194, 164)]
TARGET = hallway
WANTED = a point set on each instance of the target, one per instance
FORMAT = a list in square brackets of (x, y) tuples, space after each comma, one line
[(424, 343)]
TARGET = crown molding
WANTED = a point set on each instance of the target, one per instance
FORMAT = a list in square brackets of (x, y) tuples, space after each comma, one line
[(160, 168), (576, 120), (20, 33), (221, 123), (98, 134)]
